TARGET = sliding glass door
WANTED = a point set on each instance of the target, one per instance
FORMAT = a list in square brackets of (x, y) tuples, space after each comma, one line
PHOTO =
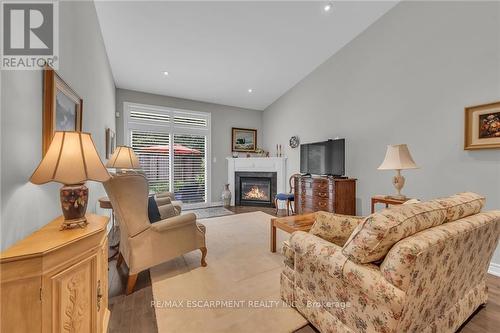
[(190, 167), (173, 149)]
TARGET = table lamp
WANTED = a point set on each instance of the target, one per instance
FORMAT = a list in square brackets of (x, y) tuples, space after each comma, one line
[(398, 157), (71, 160), (123, 158)]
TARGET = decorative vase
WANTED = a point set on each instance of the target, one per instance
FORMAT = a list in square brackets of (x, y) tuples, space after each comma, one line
[(226, 196)]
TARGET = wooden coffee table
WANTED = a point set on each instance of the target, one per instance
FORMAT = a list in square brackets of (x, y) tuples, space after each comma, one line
[(291, 224)]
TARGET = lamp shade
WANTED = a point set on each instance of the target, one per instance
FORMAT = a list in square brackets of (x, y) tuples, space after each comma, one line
[(70, 159), (123, 158), (397, 157)]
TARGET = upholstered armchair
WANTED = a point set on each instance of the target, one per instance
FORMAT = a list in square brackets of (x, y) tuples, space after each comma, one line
[(144, 244), (164, 198), (410, 268)]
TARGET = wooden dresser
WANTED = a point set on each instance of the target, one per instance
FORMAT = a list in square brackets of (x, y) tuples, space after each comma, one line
[(56, 281), (329, 194)]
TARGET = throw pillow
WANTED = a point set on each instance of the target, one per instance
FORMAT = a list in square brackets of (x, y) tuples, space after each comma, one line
[(153, 211), (462, 205), (375, 236)]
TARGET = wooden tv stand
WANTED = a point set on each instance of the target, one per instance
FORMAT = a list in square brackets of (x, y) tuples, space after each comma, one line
[(336, 195)]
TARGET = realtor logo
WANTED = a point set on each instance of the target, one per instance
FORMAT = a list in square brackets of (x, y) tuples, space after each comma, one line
[(29, 37)]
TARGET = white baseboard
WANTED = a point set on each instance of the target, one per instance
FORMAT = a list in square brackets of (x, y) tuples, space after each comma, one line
[(494, 269)]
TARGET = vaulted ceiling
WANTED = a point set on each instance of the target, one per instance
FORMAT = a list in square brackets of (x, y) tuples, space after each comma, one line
[(217, 51)]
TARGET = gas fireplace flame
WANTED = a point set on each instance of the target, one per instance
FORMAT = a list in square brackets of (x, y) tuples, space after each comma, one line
[(255, 193)]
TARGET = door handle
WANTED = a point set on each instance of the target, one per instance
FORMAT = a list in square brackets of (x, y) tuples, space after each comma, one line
[(99, 295)]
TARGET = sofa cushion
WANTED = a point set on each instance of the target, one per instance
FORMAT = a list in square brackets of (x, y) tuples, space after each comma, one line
[(334, 228), (375, 236), (462, 205)]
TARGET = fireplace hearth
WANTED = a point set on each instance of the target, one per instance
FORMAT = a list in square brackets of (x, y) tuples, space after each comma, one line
[(255, 188)]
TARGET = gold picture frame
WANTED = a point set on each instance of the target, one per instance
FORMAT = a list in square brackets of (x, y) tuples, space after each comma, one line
[(482, 126), (62, 107), (243, 140)]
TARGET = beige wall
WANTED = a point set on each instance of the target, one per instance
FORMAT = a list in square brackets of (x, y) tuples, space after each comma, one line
[(406, 79), (84, 66), (223, 118)]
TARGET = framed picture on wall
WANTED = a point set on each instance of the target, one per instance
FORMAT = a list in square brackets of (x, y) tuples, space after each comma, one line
[(62, 107), (482, 126), (110, 142), (244, 140)]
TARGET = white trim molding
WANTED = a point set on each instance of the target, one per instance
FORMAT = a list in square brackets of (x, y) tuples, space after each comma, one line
[(494, 269)]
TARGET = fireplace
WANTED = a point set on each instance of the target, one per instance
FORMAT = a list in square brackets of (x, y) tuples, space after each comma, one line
[(255, 188)]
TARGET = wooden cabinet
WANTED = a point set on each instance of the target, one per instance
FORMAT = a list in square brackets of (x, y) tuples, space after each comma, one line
[(325, 193), (56, 281)]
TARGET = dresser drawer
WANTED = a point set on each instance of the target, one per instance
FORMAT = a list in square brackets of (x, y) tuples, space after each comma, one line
[(326, 205), (321, 193)]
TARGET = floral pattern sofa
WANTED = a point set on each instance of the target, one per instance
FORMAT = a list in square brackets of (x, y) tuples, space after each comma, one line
[(417, 267)]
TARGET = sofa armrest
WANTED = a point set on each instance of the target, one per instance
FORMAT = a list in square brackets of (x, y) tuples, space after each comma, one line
[(335, 228), (175, 222), (165, 194), (168, 211), (319, 263), (163, 201)]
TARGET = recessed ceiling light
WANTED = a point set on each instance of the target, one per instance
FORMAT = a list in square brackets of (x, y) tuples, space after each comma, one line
[(250, 91), (165, 73), (327, 7)]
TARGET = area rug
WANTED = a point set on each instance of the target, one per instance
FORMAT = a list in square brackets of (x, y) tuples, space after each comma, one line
[(239, 289), (205, 213)]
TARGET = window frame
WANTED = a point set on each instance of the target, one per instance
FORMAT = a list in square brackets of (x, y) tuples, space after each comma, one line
[(171, 128)]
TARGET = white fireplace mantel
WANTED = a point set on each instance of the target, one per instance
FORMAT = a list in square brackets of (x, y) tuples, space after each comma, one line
[(257, 164)]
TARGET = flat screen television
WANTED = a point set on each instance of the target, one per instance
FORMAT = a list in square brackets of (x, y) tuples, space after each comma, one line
[(323, 158)]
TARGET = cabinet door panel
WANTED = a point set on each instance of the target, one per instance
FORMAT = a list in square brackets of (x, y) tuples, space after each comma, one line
[(102, 286), (74, 297), (14, 308)]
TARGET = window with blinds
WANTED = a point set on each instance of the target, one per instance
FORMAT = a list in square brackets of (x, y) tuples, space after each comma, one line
[(172, 147), (190, 167), (152, 150)]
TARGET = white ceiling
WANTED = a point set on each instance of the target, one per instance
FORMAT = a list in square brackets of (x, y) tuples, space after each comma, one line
[(216, 51)]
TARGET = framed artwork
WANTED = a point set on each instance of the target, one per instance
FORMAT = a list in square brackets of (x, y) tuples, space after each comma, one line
[(244, 140), (110, 142), (482, 126), (62, 107)]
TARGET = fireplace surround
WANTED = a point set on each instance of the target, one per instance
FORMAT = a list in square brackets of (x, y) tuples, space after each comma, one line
[(256, 164), (255, 188)]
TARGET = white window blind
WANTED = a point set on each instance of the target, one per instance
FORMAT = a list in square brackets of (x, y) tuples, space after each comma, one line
[(152, 149), (190, 121), (148, 116), (173, 148), (189, 167)]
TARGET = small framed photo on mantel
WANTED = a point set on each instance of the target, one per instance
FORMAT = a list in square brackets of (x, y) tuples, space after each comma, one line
[(482, 126), (243, 140)]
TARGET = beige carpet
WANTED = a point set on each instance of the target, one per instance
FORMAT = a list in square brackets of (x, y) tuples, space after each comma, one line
[(241, 271)]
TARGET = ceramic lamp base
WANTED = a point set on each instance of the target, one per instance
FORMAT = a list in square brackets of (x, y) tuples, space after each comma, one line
[(398, 181), (74, 200)]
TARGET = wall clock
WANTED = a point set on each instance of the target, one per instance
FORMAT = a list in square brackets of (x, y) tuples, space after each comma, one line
[(294, 141)]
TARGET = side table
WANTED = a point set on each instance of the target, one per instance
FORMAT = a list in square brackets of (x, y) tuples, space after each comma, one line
[(387, 201), (105, 203), (290, 224)]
